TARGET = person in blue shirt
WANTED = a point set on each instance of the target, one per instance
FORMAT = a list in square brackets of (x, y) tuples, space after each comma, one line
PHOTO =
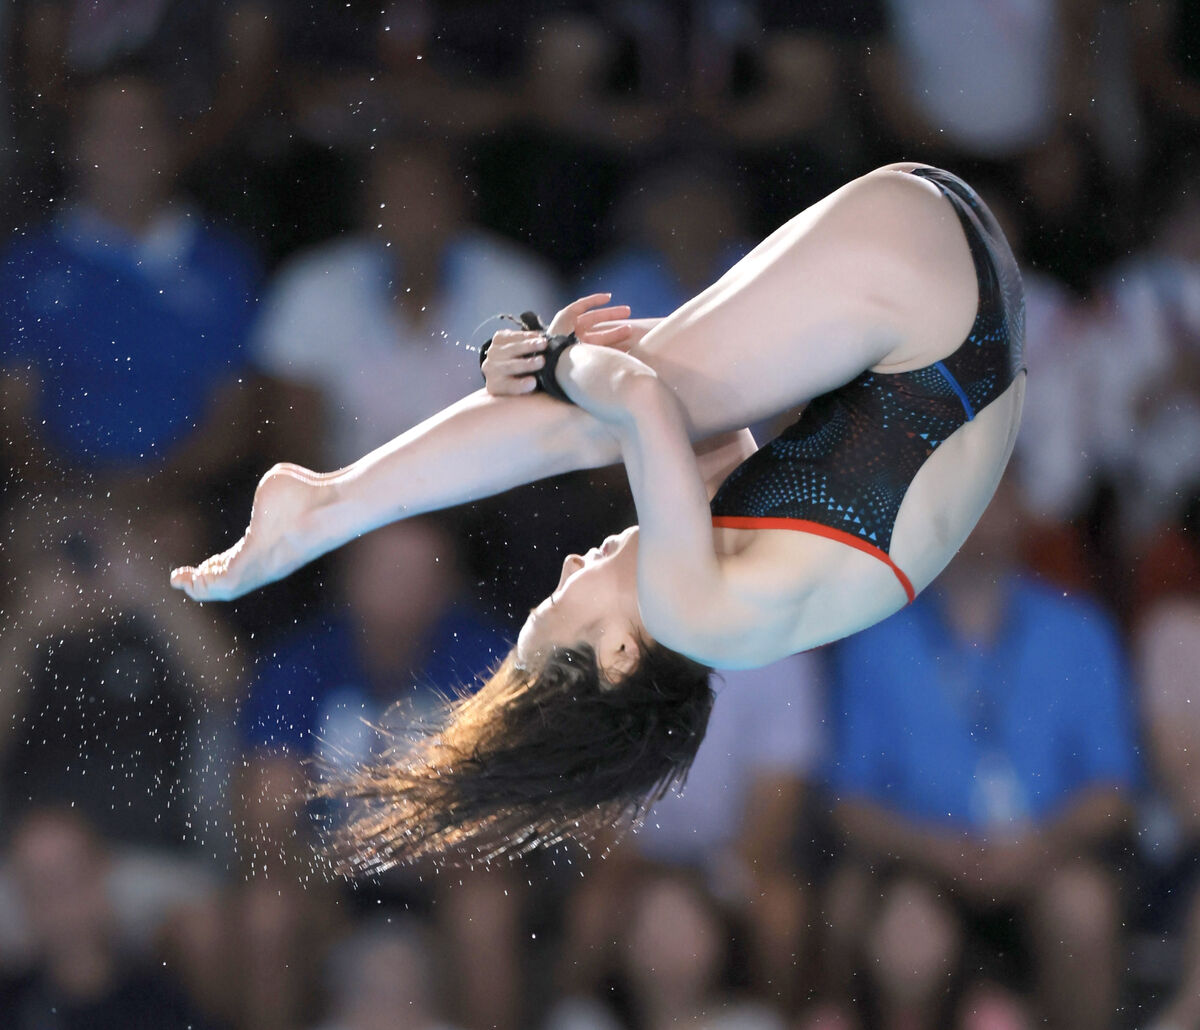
[(682, 228), (124, 315), (984, 748), (403, 640), (349, 684)]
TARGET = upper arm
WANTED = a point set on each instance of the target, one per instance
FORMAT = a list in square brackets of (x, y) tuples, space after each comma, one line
[(719, 455), (741, 614)]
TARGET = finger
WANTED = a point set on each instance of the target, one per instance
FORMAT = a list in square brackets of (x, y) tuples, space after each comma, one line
[(522, 366), (521, 348), (590, 301), (512, 386), (595, 315), (609, 337), (507, 337)]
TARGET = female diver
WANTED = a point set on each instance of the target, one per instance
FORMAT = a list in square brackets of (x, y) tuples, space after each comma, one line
[(892, 309)]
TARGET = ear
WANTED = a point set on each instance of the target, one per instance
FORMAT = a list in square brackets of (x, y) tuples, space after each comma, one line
[(618, 654)]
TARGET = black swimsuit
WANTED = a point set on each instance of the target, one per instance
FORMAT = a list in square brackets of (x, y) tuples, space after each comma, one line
[(842, 469)]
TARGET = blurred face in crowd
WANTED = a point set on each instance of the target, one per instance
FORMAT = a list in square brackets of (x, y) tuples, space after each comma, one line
[(123, 147), (675, 945), (387, 987), (993, 545), (594, 603), (691, 213), (61, 875), (401, 577), (415, 196)]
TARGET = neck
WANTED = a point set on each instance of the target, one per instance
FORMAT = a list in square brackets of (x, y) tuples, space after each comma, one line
[(975, 602), (85, 972), (130, 216), (420, 282)]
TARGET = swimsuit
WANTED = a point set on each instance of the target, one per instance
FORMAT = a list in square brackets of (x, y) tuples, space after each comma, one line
[(842, 469)]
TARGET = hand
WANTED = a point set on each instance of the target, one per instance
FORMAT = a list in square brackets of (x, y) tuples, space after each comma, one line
[(512, 358), (1011, 867), (272, 546), (583, 318), (515, 355)]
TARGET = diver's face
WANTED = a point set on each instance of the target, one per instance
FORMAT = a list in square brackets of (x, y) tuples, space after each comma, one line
[(594, 603)]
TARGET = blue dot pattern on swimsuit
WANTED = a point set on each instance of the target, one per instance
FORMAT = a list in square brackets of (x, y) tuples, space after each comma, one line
[(842, 469)]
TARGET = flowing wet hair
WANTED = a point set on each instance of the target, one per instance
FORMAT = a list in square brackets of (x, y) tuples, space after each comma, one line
[(533, 758)]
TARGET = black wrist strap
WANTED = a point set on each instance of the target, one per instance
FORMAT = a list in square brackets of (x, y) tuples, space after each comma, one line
[(546, 379), (555, 345), (529, 321)]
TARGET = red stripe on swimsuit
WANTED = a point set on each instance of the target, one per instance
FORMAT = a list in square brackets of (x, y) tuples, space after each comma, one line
[(843, 468), (818, 529)]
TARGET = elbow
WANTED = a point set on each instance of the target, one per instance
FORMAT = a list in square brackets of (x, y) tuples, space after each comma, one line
[(645, 399)]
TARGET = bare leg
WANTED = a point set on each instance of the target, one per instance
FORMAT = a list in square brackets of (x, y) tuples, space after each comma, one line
[(1076, 921), (1184, 1011), (877, 272)]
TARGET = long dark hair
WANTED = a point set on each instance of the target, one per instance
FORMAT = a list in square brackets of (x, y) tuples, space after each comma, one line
[(535, 757)]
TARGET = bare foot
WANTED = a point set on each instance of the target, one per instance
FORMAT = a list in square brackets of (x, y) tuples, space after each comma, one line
[(273, 545)]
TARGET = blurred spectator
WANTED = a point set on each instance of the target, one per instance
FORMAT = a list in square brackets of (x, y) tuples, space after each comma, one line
[(230, 50), (985, 76), (1169, 655), (382, 978), (550, 176), (374, 333), (124, 314), (780, 84), (1146, 354), (411, 62), (680, 229), (736, 822), (673, 952), (988, 80), (405, 639), (983, 749), (79, 979), (676, 954), (113, 694), (1073, 226), (358, 682), (250, 954), (1168, 67)]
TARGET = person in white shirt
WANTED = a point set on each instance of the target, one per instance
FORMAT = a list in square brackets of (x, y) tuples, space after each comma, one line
[(371, 333)]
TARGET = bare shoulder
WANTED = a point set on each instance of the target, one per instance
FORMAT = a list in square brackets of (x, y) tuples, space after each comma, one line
[(768, 600)]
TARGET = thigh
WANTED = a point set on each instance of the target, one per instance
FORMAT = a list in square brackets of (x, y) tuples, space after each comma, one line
[(878, 273)]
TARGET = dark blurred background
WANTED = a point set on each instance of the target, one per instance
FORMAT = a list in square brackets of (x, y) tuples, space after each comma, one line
[(244, 231)]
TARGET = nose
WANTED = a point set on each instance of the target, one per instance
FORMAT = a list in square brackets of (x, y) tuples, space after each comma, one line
[(572, 563)]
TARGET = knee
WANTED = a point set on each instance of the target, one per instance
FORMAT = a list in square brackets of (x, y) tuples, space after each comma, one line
[(915, 943), (1078, 905)]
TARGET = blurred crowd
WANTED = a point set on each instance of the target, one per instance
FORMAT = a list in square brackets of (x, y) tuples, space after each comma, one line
[(244, 231)]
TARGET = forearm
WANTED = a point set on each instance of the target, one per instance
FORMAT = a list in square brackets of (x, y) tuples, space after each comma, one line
[(879, 834), (1091, 819), (478, 447), (664, 477)]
